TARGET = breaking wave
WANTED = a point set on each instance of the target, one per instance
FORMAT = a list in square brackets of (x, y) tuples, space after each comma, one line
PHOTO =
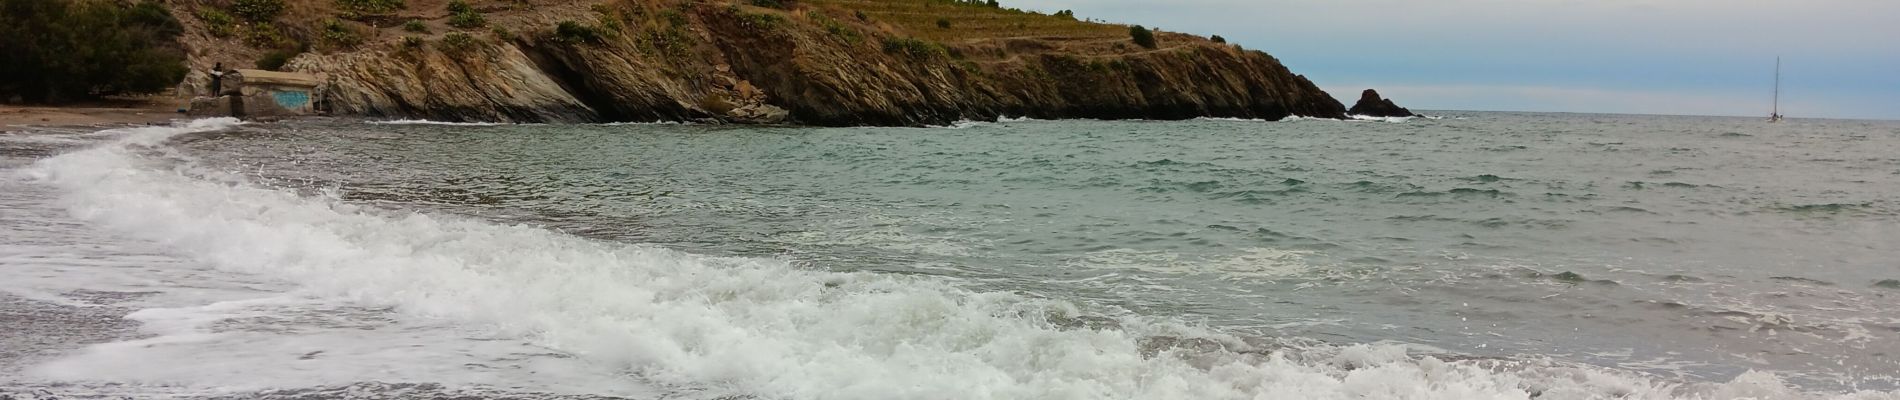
[(765, 326)]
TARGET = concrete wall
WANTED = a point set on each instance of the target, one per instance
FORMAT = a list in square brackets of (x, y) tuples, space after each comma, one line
[(256, 100)]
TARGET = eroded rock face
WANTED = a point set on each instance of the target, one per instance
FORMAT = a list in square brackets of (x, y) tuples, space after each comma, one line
[(730, 68), (1371, 105)]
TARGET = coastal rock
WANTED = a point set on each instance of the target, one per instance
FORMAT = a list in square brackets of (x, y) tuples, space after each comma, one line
[(758, 114), (1371, 105), (715, 62)]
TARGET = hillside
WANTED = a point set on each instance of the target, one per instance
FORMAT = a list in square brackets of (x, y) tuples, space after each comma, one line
[(821, 62)]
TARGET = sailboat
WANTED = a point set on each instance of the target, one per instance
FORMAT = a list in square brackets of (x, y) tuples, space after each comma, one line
[(1775, 116)]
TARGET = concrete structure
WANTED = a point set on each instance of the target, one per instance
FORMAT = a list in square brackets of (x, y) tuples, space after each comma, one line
[(253, 93)]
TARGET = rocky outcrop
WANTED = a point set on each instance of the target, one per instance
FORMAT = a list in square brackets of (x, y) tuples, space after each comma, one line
[(743, 64), (1371, 105)]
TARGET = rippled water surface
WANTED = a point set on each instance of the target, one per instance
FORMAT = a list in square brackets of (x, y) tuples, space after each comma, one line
[(1681, 249)]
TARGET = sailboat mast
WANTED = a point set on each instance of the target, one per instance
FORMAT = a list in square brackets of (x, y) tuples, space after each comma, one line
[(1777, 109)]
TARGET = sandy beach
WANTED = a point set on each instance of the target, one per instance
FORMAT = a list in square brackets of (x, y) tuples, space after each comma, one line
[(128, 111)]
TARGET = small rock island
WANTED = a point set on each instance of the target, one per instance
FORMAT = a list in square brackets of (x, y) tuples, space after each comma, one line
[(1372, 105)]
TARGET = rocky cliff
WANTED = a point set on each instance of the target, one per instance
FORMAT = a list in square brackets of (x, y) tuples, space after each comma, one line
[(829, 62)]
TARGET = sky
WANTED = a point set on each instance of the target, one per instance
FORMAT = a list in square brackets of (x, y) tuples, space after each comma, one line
[(1841, 58)]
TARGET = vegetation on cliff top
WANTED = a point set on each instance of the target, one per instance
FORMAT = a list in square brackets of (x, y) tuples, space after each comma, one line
[(62, 50)]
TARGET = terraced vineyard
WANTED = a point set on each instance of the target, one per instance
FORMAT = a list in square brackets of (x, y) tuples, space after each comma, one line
[(985, 34), (967, 22)]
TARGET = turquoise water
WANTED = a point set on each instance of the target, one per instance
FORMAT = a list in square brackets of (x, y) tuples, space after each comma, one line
[(1675, 250)]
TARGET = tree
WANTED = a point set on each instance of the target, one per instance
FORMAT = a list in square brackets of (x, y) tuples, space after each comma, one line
[(65, 50), (1142, 36), (1218, 39)]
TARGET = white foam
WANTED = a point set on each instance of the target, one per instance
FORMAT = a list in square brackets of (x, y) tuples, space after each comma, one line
[(969, 123), (1380, 119), (962, 124), (757, 325), (428, 122), (1230, 119)]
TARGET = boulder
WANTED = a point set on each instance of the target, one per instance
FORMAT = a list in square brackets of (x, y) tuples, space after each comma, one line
[(1371, 105)]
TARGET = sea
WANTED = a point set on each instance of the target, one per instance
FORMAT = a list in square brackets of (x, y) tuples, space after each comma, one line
[(1466, 255)]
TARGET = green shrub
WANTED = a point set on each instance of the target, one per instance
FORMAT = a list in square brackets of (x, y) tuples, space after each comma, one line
[(860, 15), (57, 50), (458, 42), (608, 23), (1142, 36), (779, 4), (258, 10), (575, 32), (468, 20), (1218, 39), (761, 21), (461, 15), (370, 7), (415, 25), (943, 23), (673, 17), (266, 35), (994, 4), (503, 33), (912, 47), (1066, 14), (274, 60), (217, 22), (338, 34), (411, 42), (836, 28)]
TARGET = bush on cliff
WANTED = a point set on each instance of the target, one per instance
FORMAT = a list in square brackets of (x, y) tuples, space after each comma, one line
[(1142, 36), (575, 32), (258, 10), (359, 8), (274, 61), (914, 48), (65, 50), (458, 42), (217, 22), (1218, 39), (266, 35), (461, 15), (336, 33)]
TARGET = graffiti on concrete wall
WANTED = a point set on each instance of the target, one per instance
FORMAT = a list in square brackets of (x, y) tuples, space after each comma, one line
[(291, 99)]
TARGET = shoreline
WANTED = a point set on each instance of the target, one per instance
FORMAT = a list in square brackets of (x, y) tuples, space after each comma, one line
[(130, 111)]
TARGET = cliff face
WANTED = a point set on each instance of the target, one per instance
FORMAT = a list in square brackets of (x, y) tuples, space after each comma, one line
[(834, 62)]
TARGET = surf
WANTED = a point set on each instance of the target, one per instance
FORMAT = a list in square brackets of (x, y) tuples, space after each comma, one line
[(766, 327)]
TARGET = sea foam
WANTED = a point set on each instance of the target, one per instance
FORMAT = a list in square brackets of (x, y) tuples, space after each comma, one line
[(759, 325)]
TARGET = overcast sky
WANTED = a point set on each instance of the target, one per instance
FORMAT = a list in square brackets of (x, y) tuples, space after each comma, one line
[(1700, 57)]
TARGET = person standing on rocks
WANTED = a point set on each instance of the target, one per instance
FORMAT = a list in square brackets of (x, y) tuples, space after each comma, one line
[(217, 80)]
